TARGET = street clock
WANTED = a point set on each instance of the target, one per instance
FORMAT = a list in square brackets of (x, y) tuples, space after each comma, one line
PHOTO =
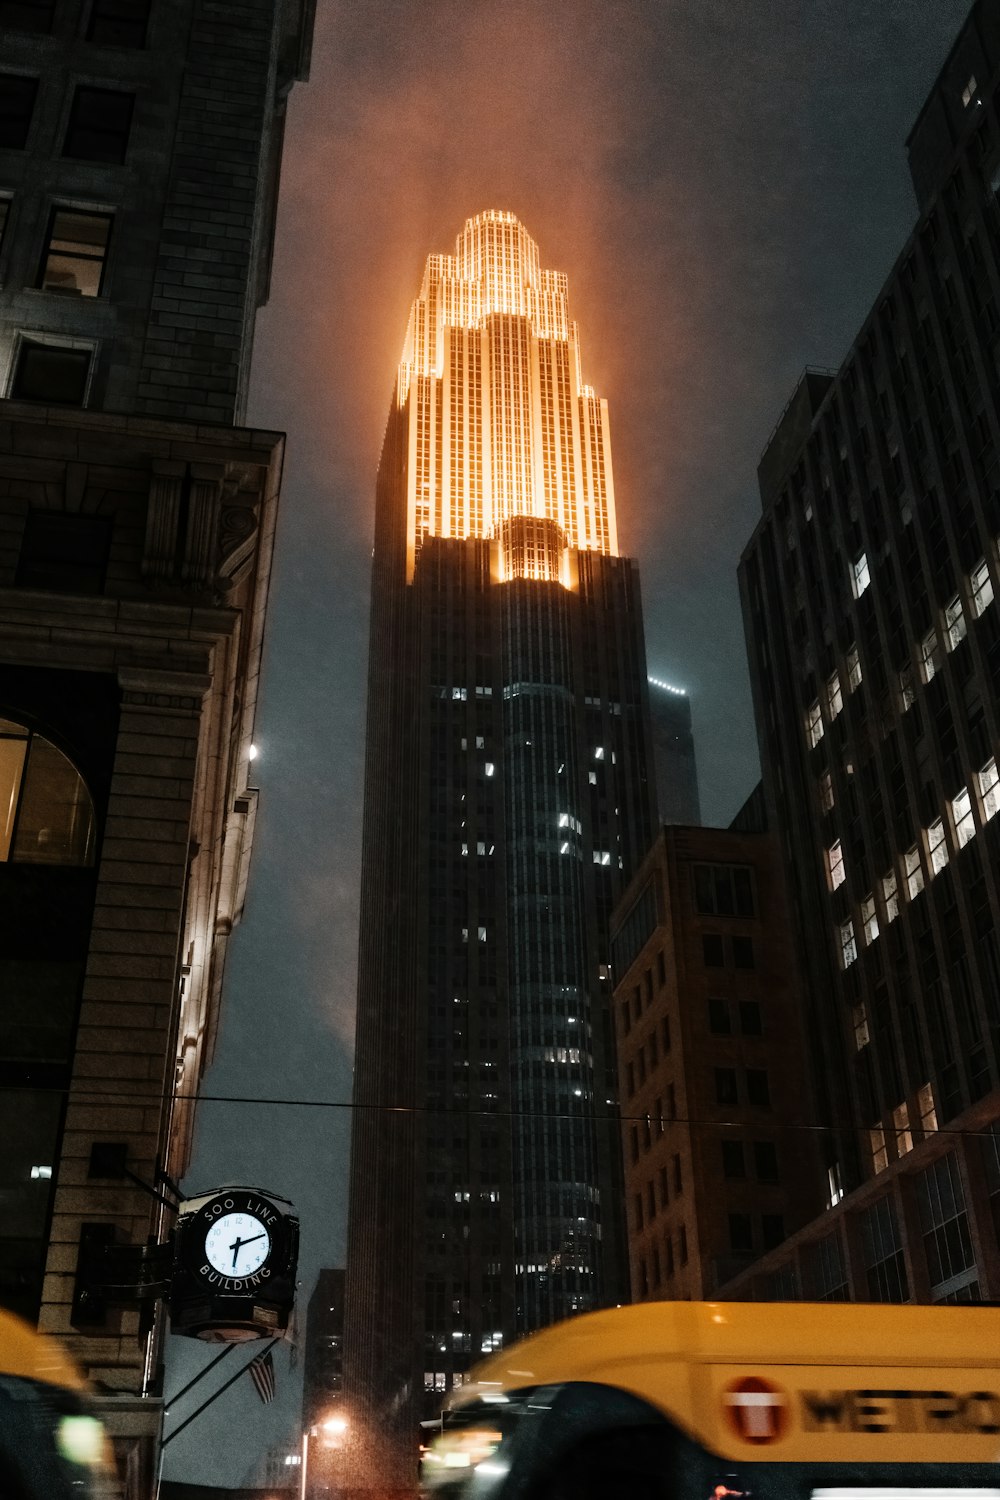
[(235, 1258)]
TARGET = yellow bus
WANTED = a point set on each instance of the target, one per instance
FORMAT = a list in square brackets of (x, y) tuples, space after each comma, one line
[(732, 1401), (51, 1447)]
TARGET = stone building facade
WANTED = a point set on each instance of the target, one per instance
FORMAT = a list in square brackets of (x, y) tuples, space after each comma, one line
[(139, 153)]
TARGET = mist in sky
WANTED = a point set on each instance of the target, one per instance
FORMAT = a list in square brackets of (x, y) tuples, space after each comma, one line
[(725, 184)]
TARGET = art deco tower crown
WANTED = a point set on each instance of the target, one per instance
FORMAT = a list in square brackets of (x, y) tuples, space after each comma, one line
[(502, 431)]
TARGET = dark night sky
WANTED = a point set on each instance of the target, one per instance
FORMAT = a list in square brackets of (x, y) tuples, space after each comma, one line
[(725, 183)]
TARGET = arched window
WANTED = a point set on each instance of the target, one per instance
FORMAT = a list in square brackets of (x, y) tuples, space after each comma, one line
[(46, 812)]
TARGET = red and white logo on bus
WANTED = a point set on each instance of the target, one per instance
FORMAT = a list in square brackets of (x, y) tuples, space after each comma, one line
[(756, 1409)]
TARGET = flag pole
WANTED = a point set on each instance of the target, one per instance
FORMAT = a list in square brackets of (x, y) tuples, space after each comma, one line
[(200, 1376), (188, 1420)]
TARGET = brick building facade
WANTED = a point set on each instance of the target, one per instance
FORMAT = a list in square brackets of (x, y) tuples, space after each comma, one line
[(709, 1029)]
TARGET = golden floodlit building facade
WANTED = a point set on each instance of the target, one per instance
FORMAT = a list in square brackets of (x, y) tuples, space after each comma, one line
[(509, 793)]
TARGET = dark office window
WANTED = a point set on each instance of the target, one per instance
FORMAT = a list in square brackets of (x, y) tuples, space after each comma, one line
[(99, 124), (772, 1228), (750, 1024), (665, 1033), (742, 891), (119, 23), (718, 1017), (682, 1237), (626, 1018), (725, 1085), (725, 890), (668, 1246), (65, 553), (17, 101), (743, 952), (758, 1089), (733, 1164), (678, 1175), (51, 372), (27, 15), (664, 1192), (740, 1233), (765, 1161), (714, 956), (75, 253), (4, 216), (634, 1142), (661, 969)]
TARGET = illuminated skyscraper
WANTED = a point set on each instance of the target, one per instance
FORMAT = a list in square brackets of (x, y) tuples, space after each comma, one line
[(509, 793)]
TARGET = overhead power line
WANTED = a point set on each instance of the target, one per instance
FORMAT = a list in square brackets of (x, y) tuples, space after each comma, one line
[(616, 1117)]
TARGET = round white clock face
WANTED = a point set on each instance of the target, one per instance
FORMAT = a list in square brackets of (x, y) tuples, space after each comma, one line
[(237, 1245)]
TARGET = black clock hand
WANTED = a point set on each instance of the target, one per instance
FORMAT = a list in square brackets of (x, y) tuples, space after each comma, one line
[(235, 1248), (254, 1237)]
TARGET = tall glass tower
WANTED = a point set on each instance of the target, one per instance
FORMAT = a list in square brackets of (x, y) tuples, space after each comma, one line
[(509, 794)]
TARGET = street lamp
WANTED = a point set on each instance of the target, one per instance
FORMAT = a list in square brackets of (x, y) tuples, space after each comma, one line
[(330, 1432)]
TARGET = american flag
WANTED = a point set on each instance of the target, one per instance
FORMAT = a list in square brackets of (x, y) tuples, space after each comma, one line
[(262, 1374)]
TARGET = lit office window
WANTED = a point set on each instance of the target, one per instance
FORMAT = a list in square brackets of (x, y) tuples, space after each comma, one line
[(853, 669), (861, 1035), (901, 1125), (980, 588), (814, 724), (76, 253), (906, 696), (880, 1155), (961, 813), (860, 575), (928, 1114), (869, 918), (835, 1190), (848, 944), (969, 92), (929, 653), (954, 623), (834, 696), (937, 846), (826, 791), (46, 812), (989, 788), (913, 872), (890, 896), (836, 873)]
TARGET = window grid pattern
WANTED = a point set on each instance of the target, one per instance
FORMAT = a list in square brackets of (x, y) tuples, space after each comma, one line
[(945, 1227), (885, 1265)]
